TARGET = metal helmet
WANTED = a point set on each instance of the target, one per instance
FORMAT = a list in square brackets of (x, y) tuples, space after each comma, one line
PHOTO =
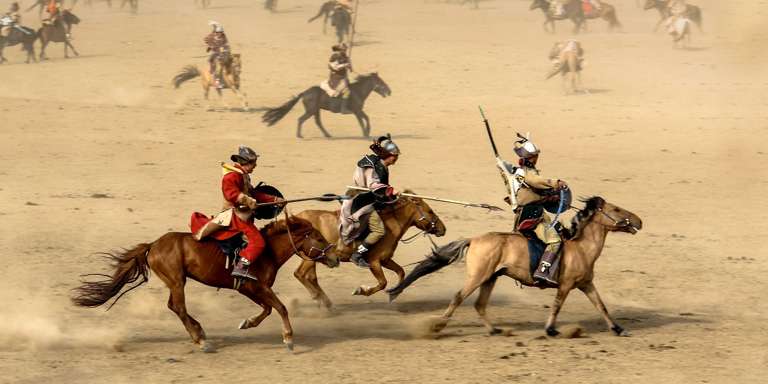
[(217, 27), (244, 155), (525, 148), (387, 145)]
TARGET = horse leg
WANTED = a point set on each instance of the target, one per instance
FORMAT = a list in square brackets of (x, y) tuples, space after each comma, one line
[(320, 124), (177, 304), (43, 44), (562, 294), (302, 119), (591, 292), (482, 303), (380, 278), (269, 298), (361, 121), (472, 283), (394, 267), (254, 321), (307, 275), (367, 132)]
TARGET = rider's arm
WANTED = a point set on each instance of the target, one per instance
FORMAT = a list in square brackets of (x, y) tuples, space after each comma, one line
[(539, 182), (232, 187)]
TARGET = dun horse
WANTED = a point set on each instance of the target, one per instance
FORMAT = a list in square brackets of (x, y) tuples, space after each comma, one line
[(569, 66), (26, 38), (58, 33), (176, 256), (494, 254), (230, 74), (315, 99), (406, 213)]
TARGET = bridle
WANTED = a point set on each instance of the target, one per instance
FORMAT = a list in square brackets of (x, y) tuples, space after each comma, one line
[(619, 224), (432, 225), (297, 251)]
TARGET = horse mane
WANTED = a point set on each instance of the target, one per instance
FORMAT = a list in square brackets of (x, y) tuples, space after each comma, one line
[(591, 205), (279, 226)]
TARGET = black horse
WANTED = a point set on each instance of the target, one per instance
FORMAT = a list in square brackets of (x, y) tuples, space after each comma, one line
[(20, 35), (573, 12), (315, 99), (58, 33)]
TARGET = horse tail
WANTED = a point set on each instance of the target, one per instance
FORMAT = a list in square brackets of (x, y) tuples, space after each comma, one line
[(130, 265), (273, 115), (187, 73), (439, 258)]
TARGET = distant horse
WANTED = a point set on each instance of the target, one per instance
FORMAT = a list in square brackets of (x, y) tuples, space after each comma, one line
[(574, 11), (229, 68), (40, 4), (270, 5), (692, 12), (325, 10), (495, 254), (398, 218), (26, 38), (176, 256), (316, 99), (341, 19), (569, 65), (58, 33)]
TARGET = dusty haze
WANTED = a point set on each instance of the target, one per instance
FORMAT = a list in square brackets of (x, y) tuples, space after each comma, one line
[(100, 153)]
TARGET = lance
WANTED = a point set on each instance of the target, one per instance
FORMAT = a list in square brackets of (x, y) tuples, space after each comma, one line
[(432, 198), (510, 181), (325, 197)]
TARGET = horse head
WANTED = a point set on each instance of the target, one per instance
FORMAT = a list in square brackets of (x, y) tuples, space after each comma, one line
[(306, 241), (379, 85), (70, 17), (610, 216), (424, 217)]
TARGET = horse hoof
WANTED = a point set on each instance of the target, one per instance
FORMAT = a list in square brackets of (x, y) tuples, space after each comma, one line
[(289, 345), (619, 331), (358, 291), (495, 331), (243, 324), (207, 347), (552, 332), (393, 296)]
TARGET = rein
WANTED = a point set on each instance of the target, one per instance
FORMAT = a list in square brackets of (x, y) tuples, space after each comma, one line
[(423, 232), (300, 252)]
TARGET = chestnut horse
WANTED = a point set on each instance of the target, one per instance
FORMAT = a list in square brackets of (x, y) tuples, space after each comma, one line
[(405, 213), (495, 254), (176, 256), (574, 12)]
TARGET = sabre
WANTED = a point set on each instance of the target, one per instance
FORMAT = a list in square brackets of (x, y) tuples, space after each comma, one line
[(433, 198), (510, 181)]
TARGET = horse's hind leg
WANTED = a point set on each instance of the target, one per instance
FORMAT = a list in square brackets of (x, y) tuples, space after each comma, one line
[(472, 283), (320, 124), (594, 297)]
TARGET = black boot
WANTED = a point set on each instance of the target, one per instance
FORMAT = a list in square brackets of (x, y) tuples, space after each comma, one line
[(358, 257), (240, 270), (546, 272)]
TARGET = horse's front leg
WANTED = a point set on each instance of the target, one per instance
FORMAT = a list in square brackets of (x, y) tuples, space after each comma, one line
[(591, 292), (367, 130), (378, 273), (361, 121), (562, 294)]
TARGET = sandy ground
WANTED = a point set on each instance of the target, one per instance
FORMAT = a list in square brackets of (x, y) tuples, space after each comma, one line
[(99, 153)]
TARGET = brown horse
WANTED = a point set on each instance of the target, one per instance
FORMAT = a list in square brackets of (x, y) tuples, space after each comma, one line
[(692, 12), (58, 33), (19, 35), (575, 13), (494, 254), (229, 68), (406, 213), (316, 99), (176, 256)]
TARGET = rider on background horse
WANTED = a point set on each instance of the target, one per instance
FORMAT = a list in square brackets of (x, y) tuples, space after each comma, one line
[(530, 192), (361, 212), (240, 201), (218, 46), (10, 20), (339, 65)]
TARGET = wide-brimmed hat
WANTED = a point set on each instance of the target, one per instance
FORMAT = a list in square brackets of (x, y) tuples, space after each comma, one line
[(244, 155), (339, 47)]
